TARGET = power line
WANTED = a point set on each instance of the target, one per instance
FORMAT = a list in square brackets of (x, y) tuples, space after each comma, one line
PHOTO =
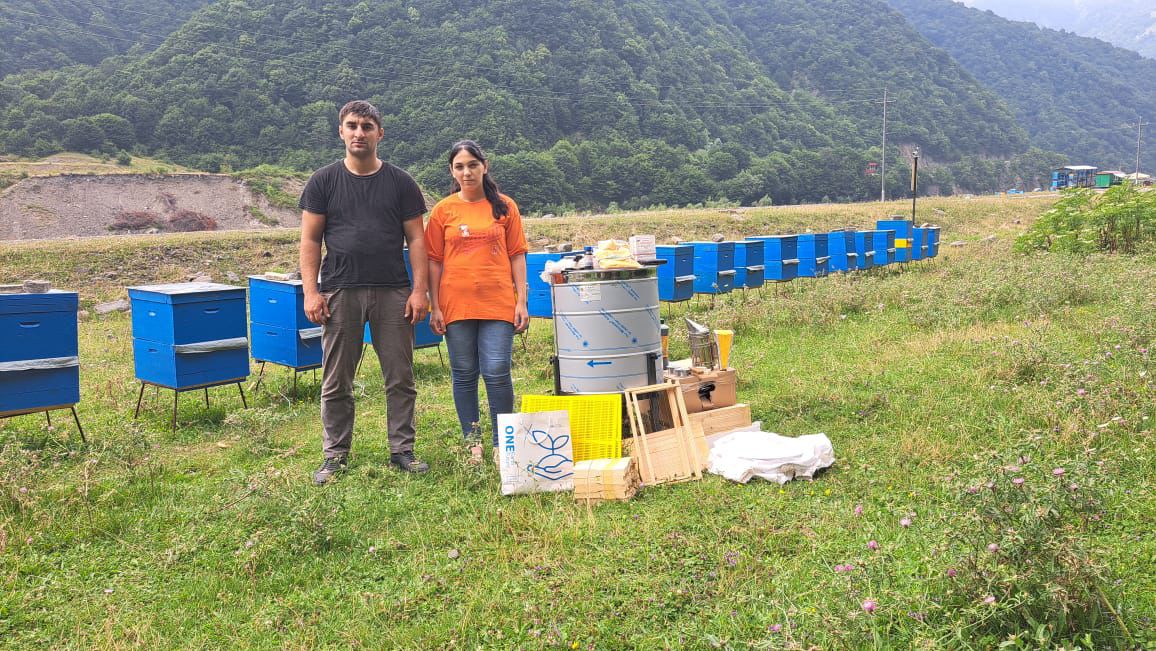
[(1140, 124), (883, 165)]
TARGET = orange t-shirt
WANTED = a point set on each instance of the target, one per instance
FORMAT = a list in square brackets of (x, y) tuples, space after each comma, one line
[(475, 250)]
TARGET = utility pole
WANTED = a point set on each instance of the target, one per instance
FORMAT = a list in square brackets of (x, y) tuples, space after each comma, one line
[(883, 160), (1140, 124)]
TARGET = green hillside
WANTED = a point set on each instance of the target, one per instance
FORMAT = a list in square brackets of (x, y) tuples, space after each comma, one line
[(584, 104), (50, 34), (1073, 94)]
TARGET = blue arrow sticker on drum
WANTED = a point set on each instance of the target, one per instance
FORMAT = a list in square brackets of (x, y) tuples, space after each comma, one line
[(593, 363)]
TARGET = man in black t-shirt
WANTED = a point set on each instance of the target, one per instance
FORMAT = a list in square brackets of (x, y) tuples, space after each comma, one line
[(364, 210)]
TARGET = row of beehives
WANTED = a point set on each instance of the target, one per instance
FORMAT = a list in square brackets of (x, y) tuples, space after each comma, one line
[(720, 267)]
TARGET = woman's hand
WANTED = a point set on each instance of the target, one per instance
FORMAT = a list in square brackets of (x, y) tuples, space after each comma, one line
[(521, 317), (437, 322)]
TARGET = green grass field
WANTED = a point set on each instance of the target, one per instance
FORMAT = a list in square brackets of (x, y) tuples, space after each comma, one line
[(938, 384)]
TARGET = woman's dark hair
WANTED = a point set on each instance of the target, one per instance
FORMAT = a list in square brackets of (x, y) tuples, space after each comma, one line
[(491, 189)]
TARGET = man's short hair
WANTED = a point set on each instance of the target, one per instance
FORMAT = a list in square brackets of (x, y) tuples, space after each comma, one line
[(361, 109)]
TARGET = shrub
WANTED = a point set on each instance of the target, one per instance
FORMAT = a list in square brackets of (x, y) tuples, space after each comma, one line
[(189, 220), (136, 220), (1085, 221)]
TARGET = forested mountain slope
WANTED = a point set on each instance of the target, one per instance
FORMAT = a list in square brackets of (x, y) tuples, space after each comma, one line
[(584, 102), (1128, 24), (49, 34), (1073, 94)]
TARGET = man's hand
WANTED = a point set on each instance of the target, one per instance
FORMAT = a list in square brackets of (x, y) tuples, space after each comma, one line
[(417, 307), (317, 308)]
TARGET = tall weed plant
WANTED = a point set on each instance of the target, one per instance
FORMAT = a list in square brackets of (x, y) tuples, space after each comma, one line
[(1084, 221)]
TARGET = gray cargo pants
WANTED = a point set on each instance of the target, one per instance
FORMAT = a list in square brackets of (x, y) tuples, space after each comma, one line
[(341, 343)]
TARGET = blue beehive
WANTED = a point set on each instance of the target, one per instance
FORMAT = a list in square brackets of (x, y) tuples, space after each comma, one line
[(864, 249), (188, 335), (902, 239), (39, 368), (918, 244), (884, 242), (676, 277), (749, 267), (279, 330), (780, 256), (813, 258), (841, 248), (423, 335), (932, 241), (539, 303), (714, 267)]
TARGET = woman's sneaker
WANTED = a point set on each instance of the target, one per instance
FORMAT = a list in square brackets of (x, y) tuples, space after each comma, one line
[(407, 462), (330, 468)]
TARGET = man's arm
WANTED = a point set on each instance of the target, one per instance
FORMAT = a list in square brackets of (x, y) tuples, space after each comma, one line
[(309, 259), (417, 307)]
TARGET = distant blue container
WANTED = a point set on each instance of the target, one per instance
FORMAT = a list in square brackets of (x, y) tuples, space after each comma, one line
[(714, 267), (933, 241), (35, 328), (813, 258), (749, 264), (884, 242), (903, 237), (676, 277), (780, 256), (539, 302), (864, 249), (187, 335), (279, 331)]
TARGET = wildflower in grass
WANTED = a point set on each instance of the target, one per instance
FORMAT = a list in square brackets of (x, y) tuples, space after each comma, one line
[(1081, 392), (869, 605), (372, 550), (1074, 487), (858, 509), (839, 568), (989, 600), (849, 567), (905, 522), (872, 545), (951, 572), (23, 490), (973, 489), (992, 547), (1018, 481), (1058, 472), (731, 558), (775, 628), (1013, 468)]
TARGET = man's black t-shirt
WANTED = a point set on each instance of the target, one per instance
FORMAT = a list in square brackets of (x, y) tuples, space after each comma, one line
[(363, 234)]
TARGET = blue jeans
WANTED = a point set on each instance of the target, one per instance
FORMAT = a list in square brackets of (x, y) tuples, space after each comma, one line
[(482, 347)]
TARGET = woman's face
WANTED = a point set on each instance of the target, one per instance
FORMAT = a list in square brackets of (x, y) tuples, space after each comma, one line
[(467, 170)]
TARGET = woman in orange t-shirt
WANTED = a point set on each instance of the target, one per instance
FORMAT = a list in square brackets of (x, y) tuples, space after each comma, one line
[(477, 264)]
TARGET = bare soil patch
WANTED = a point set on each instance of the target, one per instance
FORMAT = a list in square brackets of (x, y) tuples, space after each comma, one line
[(87, 205)]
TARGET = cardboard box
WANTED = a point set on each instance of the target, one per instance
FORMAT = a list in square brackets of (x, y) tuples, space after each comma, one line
[(709, 390)]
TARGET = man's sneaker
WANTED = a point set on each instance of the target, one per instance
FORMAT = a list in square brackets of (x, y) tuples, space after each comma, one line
[(330, 468), (408, 462)]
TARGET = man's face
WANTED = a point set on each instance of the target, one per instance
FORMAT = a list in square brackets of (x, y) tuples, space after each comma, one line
[(360, 135)]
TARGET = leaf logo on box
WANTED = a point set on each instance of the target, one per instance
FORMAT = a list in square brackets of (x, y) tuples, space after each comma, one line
[(552, 466)]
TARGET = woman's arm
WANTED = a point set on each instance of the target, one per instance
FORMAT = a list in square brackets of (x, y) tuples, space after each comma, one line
[(436, 319), (521, 312)]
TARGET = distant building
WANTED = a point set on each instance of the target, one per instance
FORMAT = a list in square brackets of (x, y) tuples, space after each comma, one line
[(1108, 178), (1074, 176)]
